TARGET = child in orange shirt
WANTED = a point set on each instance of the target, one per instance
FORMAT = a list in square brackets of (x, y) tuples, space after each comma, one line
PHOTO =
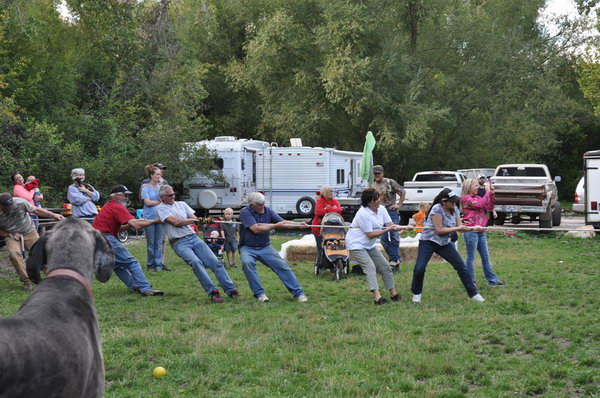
[(420, 216)]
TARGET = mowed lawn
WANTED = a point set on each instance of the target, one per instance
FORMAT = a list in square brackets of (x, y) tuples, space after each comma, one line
[(539, 335)]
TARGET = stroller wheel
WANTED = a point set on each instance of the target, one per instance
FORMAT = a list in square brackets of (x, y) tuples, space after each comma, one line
[(339, 269)]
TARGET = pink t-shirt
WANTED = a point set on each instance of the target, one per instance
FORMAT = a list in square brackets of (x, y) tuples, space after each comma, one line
[(475, 208), (20, 191)]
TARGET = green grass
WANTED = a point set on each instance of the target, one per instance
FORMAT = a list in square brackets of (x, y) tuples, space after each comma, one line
[(537, 336)]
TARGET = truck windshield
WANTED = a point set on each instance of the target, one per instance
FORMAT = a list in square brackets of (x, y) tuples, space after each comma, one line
[(436, 177), (521, 172)]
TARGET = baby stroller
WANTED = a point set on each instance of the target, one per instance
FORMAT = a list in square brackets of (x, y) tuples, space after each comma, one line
[(214, 239), (335, 254)]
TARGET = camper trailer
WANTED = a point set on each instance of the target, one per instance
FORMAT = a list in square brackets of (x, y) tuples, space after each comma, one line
[(591, 168), (289, 177)]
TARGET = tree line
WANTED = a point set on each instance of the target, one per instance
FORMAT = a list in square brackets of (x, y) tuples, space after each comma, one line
[(443, 84)]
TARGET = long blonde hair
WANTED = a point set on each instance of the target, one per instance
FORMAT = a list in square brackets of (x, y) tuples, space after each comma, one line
[(466, 186)]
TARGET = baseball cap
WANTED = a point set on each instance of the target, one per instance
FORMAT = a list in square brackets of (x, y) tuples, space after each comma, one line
[(160, 166), (481, 176), (6, 199), (377, 169), (120, 189)]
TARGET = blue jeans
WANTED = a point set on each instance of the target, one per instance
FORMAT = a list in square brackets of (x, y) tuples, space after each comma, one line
[(127, 267), (447, 252), (269, 257), (391, 240), (154, 244), (477, 241), (197, 255)]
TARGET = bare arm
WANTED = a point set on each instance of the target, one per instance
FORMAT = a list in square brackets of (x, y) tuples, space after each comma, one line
[(46, 213), (441, 230), (180, 222), (140, 223)]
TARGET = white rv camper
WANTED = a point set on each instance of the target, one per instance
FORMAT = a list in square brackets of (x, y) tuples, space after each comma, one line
[(591, 168), (289, 177)]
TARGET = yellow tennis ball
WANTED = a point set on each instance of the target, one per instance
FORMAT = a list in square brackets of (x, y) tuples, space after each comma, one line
[(159, 371)]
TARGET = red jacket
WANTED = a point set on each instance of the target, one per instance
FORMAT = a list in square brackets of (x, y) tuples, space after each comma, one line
[(323, 207)]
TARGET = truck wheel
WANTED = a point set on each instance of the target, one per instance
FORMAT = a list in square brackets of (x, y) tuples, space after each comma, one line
[(556, 215), (500, 219), (404, 218), (546, 219), (305, 206), (515, 219)]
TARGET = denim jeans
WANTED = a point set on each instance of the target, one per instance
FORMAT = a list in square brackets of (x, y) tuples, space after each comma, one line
[(154, 245), (269, 257), (477, 241), (127, 267), (198, 255), (391, 240), (447, 252)]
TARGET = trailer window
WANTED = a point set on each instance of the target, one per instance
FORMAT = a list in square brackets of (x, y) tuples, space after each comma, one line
[(218, 163), (340, 174)]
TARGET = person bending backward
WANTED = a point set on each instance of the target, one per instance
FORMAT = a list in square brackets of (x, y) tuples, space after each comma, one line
[(16, 225), (256, 222), (112, 219), (443, 219), (475, 209), (177, 218), (371, 221)]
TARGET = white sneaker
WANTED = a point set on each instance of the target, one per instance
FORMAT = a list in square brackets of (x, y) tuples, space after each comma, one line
[(393, 263), (302, 298), (262, 298), (416, 298), (478, 298)]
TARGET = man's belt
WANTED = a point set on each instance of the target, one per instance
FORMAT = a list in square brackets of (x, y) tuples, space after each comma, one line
[(173, 241)]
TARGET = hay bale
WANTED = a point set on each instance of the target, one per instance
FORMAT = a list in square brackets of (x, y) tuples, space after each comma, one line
[(585, 232), (304, 250)]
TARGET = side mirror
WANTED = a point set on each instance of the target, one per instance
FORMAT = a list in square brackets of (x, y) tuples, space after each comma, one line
[(557, 178)]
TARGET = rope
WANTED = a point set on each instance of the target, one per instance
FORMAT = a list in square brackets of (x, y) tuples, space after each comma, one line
[(403, 227)]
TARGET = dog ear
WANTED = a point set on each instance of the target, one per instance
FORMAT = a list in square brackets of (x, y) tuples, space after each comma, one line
[(37, 258), (104, 259)]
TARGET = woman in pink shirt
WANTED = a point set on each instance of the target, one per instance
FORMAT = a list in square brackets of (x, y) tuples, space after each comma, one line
[(19, 189), (475, 210)]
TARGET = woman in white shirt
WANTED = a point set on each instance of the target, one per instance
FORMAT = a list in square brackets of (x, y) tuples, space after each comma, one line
[(370, 222)]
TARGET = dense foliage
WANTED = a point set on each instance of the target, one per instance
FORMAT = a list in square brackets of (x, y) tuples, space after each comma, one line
[(443, 84)]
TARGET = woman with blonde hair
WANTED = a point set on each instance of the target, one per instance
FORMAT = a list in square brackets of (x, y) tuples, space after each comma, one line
[(326, 203), (475, 210), (154, 232)]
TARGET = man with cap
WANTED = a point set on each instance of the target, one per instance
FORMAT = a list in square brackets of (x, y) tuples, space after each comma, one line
[(16, 227), (388, 189), (481, 187), (177, 218), (112, 219)]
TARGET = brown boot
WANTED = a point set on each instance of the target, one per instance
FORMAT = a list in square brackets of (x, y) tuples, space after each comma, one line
[(28, 286)]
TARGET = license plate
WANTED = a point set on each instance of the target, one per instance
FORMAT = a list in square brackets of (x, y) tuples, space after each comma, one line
[(513, 209)]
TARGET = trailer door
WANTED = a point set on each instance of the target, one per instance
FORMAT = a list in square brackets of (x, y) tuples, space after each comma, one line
[(592, 191)]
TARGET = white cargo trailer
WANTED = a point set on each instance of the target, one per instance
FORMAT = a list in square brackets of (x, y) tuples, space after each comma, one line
[(289, 177), (591, 168)]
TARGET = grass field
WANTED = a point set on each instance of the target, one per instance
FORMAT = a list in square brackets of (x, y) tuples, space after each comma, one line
[(537, 336)]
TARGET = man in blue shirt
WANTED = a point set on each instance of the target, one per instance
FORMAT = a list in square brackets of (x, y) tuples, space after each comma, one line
[(256, 222)]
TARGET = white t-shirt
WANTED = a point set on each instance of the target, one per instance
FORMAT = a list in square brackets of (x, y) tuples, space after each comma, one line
[(366, 220), (179, 210)]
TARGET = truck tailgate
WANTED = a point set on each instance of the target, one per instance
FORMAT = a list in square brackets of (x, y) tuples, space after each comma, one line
[(520, 194)]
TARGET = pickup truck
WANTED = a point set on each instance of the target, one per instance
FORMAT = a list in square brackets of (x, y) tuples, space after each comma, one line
[(526, 190), (424, 187)]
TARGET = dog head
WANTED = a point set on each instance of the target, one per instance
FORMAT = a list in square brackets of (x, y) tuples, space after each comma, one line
[(72, 244)]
